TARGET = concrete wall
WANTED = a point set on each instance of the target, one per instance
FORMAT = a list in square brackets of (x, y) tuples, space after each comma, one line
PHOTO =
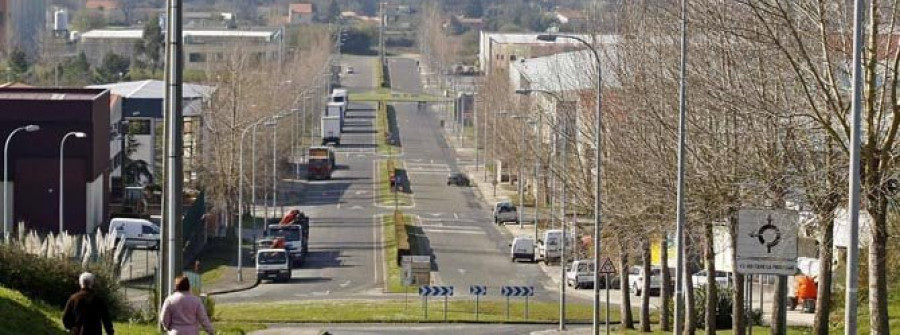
[(94, 203)]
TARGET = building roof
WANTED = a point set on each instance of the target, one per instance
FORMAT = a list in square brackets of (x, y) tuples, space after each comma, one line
[(43, 93), (303, 8), (531, 38), (139, 34), (566, 71), (154, 89)]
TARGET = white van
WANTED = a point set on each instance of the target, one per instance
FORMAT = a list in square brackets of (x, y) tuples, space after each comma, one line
[(136, 232), (550, 246), (580, 274), (522, 247)]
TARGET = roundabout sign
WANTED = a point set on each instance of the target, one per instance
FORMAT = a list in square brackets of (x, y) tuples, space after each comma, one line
[(767, 242)]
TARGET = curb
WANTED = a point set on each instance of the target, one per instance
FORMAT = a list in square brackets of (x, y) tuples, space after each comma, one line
[(240, 289)]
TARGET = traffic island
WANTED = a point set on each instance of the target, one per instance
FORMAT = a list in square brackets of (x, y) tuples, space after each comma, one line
[(393, 188)]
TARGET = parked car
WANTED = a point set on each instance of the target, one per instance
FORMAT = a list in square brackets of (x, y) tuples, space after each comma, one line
[(636, 277), (505, 212), (458, 179), (522, 247), (550, 246), (135, 232), (723, 279)]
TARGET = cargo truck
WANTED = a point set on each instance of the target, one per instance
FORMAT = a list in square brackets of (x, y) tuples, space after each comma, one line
[(320, 163), (331, 130), (336, 109), (274, 264)]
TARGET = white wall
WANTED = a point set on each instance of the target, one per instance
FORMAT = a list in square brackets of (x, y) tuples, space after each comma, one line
[(94, 204)]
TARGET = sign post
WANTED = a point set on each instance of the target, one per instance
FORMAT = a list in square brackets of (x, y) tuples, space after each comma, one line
[(606, 269), (435, 291), (477, 291), (767, 245), (517, 291)]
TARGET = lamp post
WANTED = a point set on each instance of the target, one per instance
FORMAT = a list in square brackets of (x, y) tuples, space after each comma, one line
[(6, 225), (598, 124), (240, 227), (519, 185), (62, 147)]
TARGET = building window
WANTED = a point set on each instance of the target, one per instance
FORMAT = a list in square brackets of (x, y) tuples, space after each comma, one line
[(139, 127), (196, 57), (512, 58)]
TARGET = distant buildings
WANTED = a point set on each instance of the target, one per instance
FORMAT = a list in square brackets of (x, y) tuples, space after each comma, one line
[(300, 13), (22, 24), (497, 50), (202, 48)]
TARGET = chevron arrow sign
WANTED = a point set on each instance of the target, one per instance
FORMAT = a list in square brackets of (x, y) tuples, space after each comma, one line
[(517, 291), (477, 290), (435, 291)]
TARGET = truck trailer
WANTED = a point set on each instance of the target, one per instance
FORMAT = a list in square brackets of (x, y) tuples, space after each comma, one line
[(331, 130)]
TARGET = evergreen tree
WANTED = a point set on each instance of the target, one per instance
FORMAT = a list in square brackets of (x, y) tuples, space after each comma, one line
[(113, 69), (149, 50), (18, 62)]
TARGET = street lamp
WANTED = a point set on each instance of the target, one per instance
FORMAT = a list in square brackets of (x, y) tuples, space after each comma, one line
[(519, 185), (597, 191), (240, 227), (62, 146), (6, 226)]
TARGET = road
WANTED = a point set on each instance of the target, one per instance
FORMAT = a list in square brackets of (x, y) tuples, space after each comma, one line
[(345, 242), (468, 248)]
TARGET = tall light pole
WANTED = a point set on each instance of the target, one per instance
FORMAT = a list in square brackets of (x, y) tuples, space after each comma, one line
[(62, 147), (598, 125), (852, 281), (559, 100), (6, 225), (240, 226), (274, 125)]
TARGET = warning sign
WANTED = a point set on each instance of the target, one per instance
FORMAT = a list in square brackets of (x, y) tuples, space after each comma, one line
[(607, 267)]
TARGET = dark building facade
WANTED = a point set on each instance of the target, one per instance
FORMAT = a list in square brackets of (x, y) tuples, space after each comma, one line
[(34, 156)]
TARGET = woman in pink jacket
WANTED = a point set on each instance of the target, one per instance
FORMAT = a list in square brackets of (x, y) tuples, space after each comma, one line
[(183, 313)]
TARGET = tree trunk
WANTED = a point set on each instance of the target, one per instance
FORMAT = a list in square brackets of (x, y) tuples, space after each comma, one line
[(711, 297), (627, 319), (665, 294), (826, 256), (738, 315), (690, 313), (645, 297), (777, 327), (878, 294)]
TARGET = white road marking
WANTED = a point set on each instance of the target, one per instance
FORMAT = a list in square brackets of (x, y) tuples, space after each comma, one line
[(456, 216), (346, 283), (356, 207)]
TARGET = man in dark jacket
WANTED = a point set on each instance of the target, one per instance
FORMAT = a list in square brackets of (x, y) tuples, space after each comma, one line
[(86, 311)]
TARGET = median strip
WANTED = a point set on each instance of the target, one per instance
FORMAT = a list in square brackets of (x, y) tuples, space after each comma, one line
[(386, 194)]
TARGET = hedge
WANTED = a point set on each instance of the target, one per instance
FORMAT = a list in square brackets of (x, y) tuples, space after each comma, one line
[(403, 248)]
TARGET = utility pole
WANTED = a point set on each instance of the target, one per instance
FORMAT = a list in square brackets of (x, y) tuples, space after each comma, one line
[(173, 175), (382, 22), (852, 281)]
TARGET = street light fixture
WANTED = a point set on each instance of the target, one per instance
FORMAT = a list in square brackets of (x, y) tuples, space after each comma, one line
[(597, 191), (62, 146), (6, 225)]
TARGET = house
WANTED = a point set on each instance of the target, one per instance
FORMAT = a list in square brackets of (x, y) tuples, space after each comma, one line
[(203, 48), (34, 157), (142, 107), (300, 13)]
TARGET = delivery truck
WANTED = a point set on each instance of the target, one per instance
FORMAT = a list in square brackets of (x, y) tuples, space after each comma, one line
[(320, 163), (336, 109), (331, 130)]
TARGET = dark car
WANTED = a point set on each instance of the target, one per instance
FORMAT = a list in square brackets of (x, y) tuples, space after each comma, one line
[(458, 179)]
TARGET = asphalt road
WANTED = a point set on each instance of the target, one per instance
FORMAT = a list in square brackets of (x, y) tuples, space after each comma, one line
[(345, 241), (468, 248)]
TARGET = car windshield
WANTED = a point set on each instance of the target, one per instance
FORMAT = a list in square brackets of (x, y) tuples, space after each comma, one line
[(288, 234), (273, 257)]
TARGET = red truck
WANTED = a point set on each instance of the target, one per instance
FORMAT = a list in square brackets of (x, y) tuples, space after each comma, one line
[(320, 163)]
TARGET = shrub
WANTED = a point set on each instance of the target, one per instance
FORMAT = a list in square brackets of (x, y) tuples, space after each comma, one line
[(403, 247), (53, 280), (724, 305)]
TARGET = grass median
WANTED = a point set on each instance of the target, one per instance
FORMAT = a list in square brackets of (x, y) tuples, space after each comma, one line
[(458, 310), (386, 128), (384, 195), (396, 242)]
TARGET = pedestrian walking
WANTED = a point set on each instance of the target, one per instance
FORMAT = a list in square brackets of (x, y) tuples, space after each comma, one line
[(183, 313), (85, 311)]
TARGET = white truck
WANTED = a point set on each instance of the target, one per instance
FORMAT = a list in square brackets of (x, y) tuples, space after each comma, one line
[(580, 274), (339, 95), (522, 247), (274, 264), (336, 109), (331, 130)]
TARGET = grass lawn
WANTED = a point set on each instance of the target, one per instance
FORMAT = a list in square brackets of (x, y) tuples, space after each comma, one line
[(458, 310), (25, 316), (384, 196), (214, 260)]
